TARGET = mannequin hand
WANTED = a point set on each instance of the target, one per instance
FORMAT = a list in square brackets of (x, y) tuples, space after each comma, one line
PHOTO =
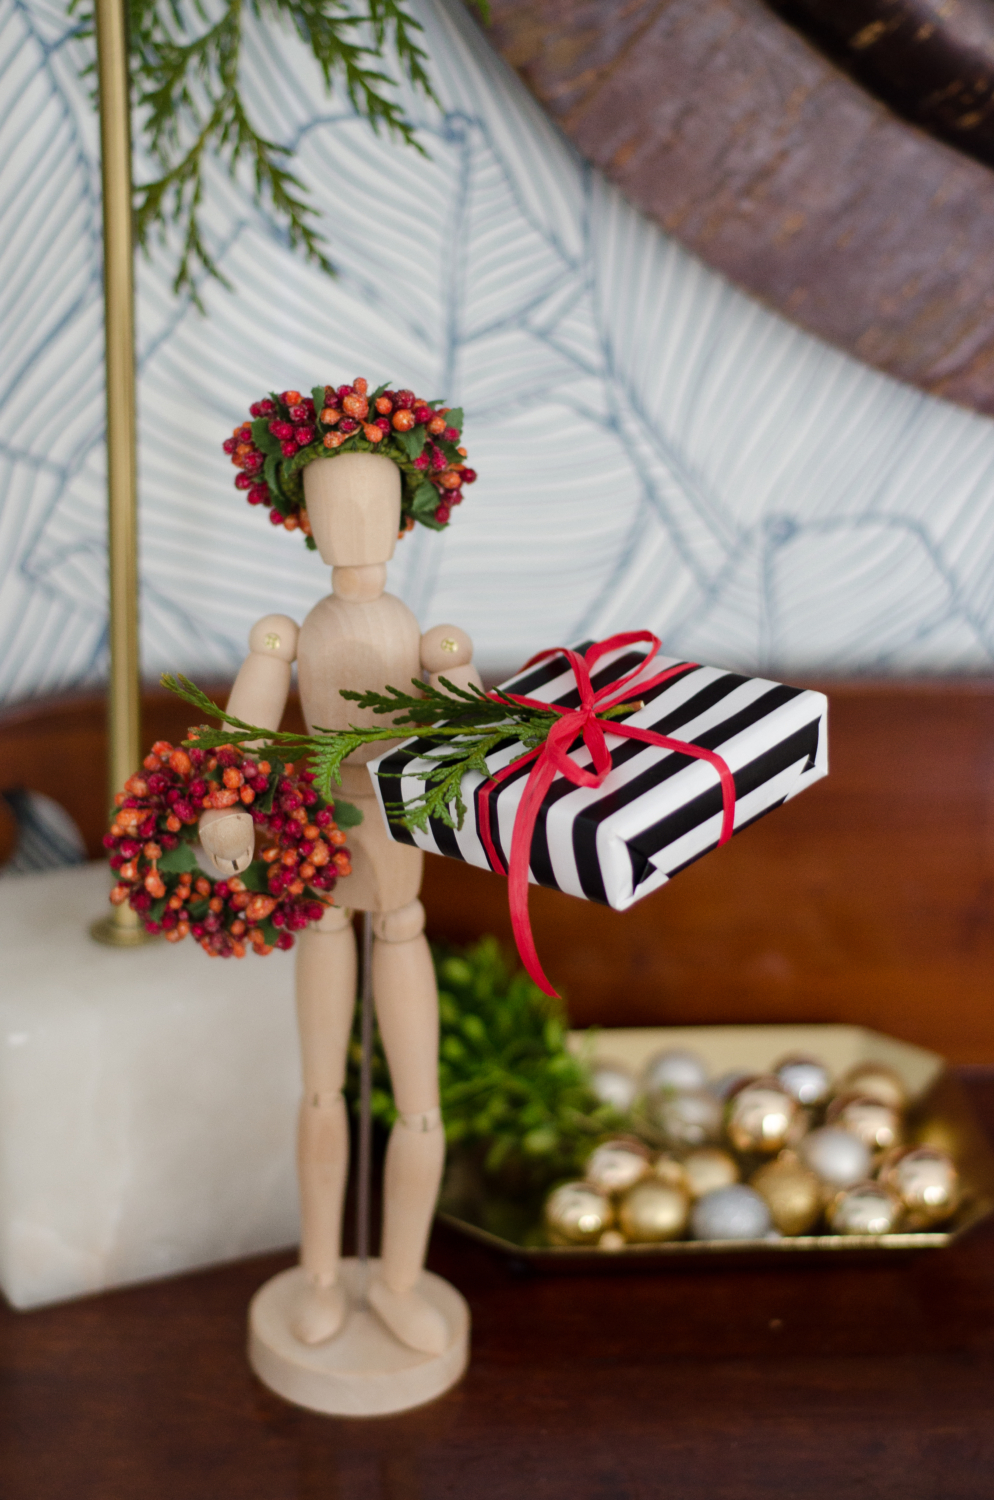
[(228, 839), (447, 651)]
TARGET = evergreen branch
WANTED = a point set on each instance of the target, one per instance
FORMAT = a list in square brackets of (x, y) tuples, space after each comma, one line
[(186, 67), (236, 730), (462, 727)]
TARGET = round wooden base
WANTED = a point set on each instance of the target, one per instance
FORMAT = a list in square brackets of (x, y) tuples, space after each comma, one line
[(364, 1371)]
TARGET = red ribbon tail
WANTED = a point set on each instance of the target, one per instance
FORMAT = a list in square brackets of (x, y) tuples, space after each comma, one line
[(488, 787), (537, 785)]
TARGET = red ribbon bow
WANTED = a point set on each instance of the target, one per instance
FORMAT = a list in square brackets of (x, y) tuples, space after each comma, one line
[(552, 759)]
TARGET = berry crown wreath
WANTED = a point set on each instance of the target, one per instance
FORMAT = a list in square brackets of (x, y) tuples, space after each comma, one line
[(289, 431)]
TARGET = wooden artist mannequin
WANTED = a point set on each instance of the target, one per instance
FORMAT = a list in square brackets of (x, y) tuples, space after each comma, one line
[(361, 638)]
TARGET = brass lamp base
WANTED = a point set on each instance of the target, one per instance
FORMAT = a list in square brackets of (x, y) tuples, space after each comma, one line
[(121, 928)]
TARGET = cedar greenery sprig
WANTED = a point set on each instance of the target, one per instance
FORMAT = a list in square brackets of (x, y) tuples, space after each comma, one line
[(460, 727), (186, 66)]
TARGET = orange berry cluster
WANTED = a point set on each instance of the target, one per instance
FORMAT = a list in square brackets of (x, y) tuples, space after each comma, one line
[(288, 430), (154, 829)]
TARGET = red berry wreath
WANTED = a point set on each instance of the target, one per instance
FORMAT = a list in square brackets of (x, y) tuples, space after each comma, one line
[(289, 431), (151, 843)]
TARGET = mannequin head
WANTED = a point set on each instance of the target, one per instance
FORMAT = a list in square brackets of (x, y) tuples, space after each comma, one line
[(353, 504)]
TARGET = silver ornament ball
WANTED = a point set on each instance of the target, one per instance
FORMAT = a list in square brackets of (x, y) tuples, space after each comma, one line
[(614, 1085), (616, 1166), (807, 1079), (684, 1120), (675, 1068), (731, 1213), (839, 1158)]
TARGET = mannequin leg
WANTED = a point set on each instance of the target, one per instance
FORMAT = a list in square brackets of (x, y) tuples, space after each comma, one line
[(326, 987), (407, 1010)]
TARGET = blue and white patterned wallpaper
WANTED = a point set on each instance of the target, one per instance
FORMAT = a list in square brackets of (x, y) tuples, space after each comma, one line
[(654, 447)]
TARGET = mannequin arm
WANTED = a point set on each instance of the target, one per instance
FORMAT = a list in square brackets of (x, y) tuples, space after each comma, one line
[(263, 682), (447, 651), (258, 697)]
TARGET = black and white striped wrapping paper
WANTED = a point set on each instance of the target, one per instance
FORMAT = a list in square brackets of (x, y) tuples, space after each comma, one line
[(657, 811)]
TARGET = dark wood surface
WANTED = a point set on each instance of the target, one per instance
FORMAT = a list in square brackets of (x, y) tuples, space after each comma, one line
[(869, 899), (746, 143), (793, 1383)]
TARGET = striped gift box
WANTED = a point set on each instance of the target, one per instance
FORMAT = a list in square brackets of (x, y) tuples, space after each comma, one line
[(658, 810)]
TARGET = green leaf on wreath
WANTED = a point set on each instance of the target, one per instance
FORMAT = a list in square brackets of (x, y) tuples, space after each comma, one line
[(317, 396), (413, 442), (449, 449), (425, 502), (346, 815), (256, 877), (271, 475), (455, 418), (269, 932), (156, 910), (263, 438), (179, 861)]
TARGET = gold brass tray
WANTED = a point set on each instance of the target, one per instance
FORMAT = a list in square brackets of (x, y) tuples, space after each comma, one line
[(940, 1115)]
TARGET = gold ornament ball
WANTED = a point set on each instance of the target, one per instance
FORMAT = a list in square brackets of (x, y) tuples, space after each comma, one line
[(708, 1168), (867, 1208), (670, 1171), (875, 1080), (616, 1166), (792, 1193), (876, 1124), (577, 1214), (759, 1116), (652, 1212), (806, 1078), (926, 1181), (611, 1240), (800, 1126), (687, 1119)]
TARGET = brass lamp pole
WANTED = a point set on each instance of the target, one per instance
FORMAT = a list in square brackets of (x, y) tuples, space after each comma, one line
[(122, 927)]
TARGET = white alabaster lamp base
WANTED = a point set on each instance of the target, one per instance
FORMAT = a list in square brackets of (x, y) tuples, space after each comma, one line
[(363, 1371)]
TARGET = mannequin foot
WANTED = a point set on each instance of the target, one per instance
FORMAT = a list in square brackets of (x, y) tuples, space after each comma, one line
[(320, 1313), (410, 1318)]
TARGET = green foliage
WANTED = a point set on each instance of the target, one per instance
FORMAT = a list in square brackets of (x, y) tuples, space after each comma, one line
[(177, 861), (461, 726), (186, 67), (513, 1097)]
